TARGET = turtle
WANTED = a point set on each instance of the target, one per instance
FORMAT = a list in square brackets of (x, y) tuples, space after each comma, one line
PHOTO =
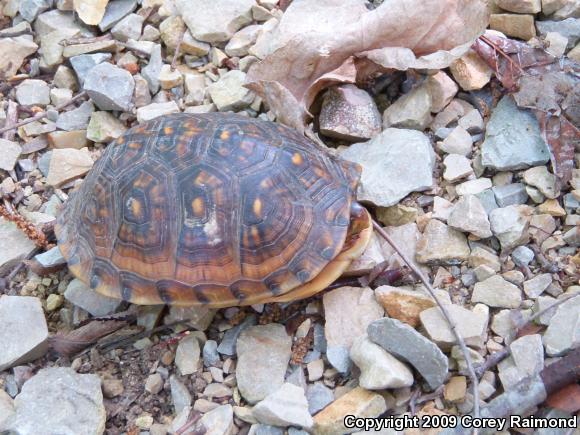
[(213, 209)]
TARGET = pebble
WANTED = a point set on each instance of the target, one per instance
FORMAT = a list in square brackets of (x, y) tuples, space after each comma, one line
[(154, 110), (510, 225), (572, 237), (180, 395), (169, 78), (228, 344), (82, 65), (115, 12), (518, 26), (29, 9), (471, 324), (91, 12), (15, 245), (285, 406), (152, 70), (76, 119), (216, 390), (9, 153), (564, 329), (242, 40), (442, 90), (541, 304), (104, 127), (402, 304), (455, 389), (318, 397), (229, 93), (441, 244), (457, 142), (472, 122), (412, 110), (24, 334), (391, 152), (522, 256), (187, 355), (89, 300), (379, 369), (263, 355), (315, 369), (470, 71), (198, 317), (402, 341), (510, 194), (110, 87), (68, 139), (112, 387), (544, 181), (210, 353), (59, 96), (128, 28), (13, 51), (551, 207), (358, 401), (456, 167), (349, 113), (473, 187), (497, 292), (468, 215), (154, 383), (513, 139), (530, 361), (209, 21), (54, 302), (33, 92), (537, 285)]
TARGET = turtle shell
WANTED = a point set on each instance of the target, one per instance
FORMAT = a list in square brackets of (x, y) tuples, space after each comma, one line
[(214, 209)]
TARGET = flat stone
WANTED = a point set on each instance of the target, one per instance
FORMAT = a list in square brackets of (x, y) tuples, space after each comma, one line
[(169, 78), (76, 139), (228, 345), (15, 245), (286, 406), (470, 71), (51, 48), (128, 28), (84, 63), (537, 285), (228, 93), (456, 167), (263, 355), (215, 21), (110, 87), (379, 369), (551, 207), (569, 28), (473, 187), (51, 258), (518, 26), (180, 395), (154, 383), (563, 333), (412, 110), (546, 182), (526, 360), (187, 355), (210, 353), (510, 225), (60, 96), (401, 304), (349, 113), (33, 92), (359, 402), (392, 152), (115, 12), (513, 139), (472, 122), (442, 90), (348, 312), (510, 194), (319, 397), (468, 215), (315, 369), (154, 110), (9, 153), (520, 6), (441, 244), (404, 342), (339, 358), (497, 292), (54, 398), (218, 421), (152, 70), (198, 317), (89, 300), (13, 51), (142, 95), (67, 164), (242, 40), (93, 47), (76, 119), (542, 303), (24, 333), (90, 12), (471, 324), (29, 9), (556, 44), (104, 127)]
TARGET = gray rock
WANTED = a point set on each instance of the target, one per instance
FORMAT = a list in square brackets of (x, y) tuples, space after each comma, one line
[(510, 225), (441, 244), (537, 285), (215, 21), (229, 93), (379, 369), (54, 399), (128, 28), (9, 153), (89, 300), (33, 92), (513, 139), (522, 256), (318, 397), (51, 258), (412, 110), (339, 358), (180, 395), (542, 304), (404, 342), (392, 152), (569, 28), (198, 317), (570, 202), (544, 181), (218, 421), (187, 355), (29, 9), (110, 87), (239, 44), (526, 360), (23, 330), (83, 63), (572, 237), (286, 406), (473, 187), (497, 292), (155, 110), (458, 141), (104, 127), (468, 215), (510, 194), (349, 113), (153, 69), (263, 355), (265, 429), (210, 353), (115, 12), (6, 407), (563, 333), (77, 119), (456, 167), (228, 345), (15, 245), (297, 378)]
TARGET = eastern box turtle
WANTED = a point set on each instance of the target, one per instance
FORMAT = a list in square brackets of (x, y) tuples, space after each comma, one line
[(213, 209)]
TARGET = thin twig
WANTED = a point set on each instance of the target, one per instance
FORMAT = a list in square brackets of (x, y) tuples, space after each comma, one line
[(176, 54), (497, 357), (11, 118), (42, 115), (452, 325)]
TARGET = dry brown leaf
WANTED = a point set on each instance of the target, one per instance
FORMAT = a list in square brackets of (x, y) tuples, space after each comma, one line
[(316, 45)]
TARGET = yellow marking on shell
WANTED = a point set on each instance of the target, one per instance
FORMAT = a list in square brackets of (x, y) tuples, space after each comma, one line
[(297, 159), (257, 207), (136, 208), (264, 183), (255, 235), (225, 135), (167, 130), (120, 140), (198, 207), (134, 145), (181, 148)]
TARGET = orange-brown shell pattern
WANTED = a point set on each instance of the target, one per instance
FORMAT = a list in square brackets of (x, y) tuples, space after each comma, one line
[(211, 209)]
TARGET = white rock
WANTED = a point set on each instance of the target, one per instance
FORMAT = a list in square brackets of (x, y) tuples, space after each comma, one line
[(510, 225), (242, 40), (456, 167), (473, 187), (287, 406), (546, 182), (563, 333), (9, 153), (228, 93), (468, 215), (187, 355), (441, 244), (154, 110), (537, 285), (441, 208), (33, 92), (497, 292), (442, 90), (412, 110)]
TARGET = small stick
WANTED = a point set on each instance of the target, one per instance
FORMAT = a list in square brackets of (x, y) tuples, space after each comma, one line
[(176, 54), (42, 115), (11, 118), (497, 357), (452, 325)]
